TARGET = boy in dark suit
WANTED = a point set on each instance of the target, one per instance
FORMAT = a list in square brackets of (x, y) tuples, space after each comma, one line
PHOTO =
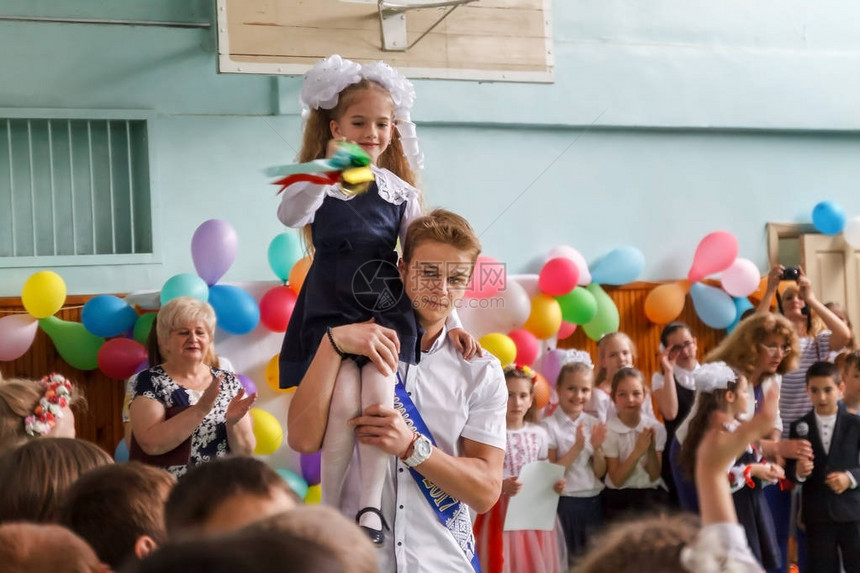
[(830, 495)]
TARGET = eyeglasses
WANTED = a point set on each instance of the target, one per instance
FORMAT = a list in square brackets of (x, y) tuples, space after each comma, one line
[(774, 348), (680, 347)]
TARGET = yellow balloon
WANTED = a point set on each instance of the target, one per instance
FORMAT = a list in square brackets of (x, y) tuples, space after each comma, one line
[(314, 495), (268, 432), (545, 318), (43, 294), (499, 345), (273, 376)]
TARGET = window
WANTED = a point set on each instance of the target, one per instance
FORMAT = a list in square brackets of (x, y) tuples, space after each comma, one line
[(73, 187)]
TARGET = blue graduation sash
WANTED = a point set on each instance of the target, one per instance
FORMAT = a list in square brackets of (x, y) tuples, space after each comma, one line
[(453, 513)]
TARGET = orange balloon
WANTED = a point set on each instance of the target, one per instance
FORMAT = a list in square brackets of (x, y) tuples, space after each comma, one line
[(542, 391), (273, 376), (665, 303), (298, 273), (545, 318)]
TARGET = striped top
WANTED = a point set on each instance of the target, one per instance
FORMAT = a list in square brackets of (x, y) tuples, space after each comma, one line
[(793, 401)]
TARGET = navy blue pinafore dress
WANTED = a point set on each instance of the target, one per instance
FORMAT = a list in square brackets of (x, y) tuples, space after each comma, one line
[(353, 278)]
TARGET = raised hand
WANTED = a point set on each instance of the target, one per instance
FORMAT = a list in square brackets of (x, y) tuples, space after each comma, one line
[(598, 435), (210, 394), (239, 406)]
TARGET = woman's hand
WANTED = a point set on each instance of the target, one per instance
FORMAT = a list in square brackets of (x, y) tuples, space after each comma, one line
[(239, 406), (210, 395), (369, 339), (511, 486), (465, 343), (804, 287), (774, 277)]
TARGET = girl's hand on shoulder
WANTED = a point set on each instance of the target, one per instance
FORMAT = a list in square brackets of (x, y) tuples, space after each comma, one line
[(511, 486), (239, 406), (558, 487), (465, 343), (598, 435)]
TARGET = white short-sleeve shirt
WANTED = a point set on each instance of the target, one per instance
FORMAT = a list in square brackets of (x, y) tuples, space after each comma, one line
[(579, 477), (601, 407), (620, 441)]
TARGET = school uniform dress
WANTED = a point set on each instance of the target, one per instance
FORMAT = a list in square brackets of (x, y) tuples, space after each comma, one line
[(832, 520), (639, 493), (685, 390), (753, 511), (457, 399), (519, 551), (580, 508), (353, 276)]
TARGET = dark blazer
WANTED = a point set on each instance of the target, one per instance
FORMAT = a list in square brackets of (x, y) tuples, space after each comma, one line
[(820, 503)]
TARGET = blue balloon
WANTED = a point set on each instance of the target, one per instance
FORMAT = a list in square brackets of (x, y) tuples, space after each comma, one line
[(828, 217), (121, 453), (620, 266), (106, 316), (714, 306), (742, 305), (284, 250), (296, 482), (237, 311), (184, 284)]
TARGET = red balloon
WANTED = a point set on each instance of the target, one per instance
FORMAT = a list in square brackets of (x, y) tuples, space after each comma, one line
[(558, 276), (119, 357), (276, 308), (566, 329), (527, 345)]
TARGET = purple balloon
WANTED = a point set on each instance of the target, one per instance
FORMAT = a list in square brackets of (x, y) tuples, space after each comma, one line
[(213, 249), (550, 366), (247, 383), (311, 468), (142, 366)]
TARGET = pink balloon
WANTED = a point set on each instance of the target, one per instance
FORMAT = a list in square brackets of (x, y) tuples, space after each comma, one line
[(213, 249), (558, 276), (566, 329), (119, 357), (17, 332), (715, 253), (741, 279), (488, 278), (527, 345), (576, 257)]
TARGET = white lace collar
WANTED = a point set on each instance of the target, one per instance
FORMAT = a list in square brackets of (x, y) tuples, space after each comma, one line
[(392, 188)]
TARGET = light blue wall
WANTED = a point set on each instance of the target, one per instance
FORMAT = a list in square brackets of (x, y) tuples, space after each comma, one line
[(667, 120)]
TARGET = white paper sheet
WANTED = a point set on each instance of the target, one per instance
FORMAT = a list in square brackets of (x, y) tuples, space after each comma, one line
[(534, 507)]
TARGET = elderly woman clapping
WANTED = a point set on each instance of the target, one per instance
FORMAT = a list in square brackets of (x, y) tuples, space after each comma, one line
[(184, 412)]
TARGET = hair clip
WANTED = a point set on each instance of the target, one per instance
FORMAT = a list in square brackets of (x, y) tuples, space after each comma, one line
[(521, 371), (58, 394)]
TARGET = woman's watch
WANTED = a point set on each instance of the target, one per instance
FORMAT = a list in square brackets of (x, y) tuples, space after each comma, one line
[(421, 450)]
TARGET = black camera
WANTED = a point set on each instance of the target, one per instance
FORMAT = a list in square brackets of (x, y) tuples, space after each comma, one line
[(790, 274)]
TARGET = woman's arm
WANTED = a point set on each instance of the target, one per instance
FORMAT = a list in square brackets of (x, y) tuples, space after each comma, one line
[(240, 430), (154, 434), (773, 278), (840, 334)]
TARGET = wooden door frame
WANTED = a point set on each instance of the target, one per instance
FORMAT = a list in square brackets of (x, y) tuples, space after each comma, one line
[(777, 231)]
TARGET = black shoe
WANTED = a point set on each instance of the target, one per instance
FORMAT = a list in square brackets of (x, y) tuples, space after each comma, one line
[(377, 536)]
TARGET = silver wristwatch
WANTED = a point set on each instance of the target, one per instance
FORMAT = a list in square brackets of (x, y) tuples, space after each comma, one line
[(421, 450)]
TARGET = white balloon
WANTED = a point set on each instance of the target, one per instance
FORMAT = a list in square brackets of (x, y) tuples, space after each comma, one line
[(506, 311), (528, 282), (574, 255), (742, 278), (851, 232)]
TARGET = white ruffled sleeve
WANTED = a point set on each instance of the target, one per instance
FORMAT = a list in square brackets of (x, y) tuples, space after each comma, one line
[(300, 201)]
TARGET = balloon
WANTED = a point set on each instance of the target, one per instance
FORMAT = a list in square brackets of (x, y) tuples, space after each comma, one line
[(578, 306), (184, 284), (828, 217), (107, 315), (741, 305), (488, 278), (500, 346), (715, 253), (296, 482), (310, 464), (620, 266), (565, 330), (143, 326), (545, 318), (314, 496), (515, 305), (606, 320), (576, 257), (74, 343), (851, 232), (558, 276), (741, 278), (43, 294), (267, 430), (276, 308), (17, 332), (665, 303), (247, 384), (284, 251), (213, 249), (236, 310), (298, 274), (273, 375), (550, 365), (505, 312), (527, 347), (542, 391), (714, 307), (120, 454), (119, 357)]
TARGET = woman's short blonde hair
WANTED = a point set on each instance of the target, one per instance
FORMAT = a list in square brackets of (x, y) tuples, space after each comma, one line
[(741, 348), (180, 311)]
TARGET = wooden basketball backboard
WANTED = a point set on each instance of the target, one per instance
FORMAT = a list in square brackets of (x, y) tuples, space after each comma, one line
[(487, 40)]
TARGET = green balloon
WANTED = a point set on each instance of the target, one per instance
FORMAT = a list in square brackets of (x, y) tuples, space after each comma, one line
[(284, 250), (578, 306), (143, 326), (75, 344), (606, 320)]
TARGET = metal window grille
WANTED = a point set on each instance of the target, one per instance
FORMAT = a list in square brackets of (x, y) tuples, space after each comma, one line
[(71, 187)]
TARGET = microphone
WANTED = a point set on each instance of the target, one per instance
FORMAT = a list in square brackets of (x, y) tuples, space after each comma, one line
[(802, 429)]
